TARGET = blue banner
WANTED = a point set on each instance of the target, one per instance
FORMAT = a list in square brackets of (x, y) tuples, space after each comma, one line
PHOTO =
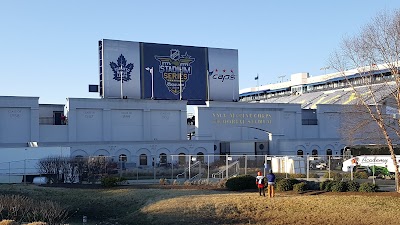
[(173, 72)]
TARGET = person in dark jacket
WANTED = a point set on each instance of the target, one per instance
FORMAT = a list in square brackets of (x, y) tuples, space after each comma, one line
[(260, 181), (271, 184)]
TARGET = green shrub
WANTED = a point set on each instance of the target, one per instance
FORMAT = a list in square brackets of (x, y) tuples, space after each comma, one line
[(312, 185), (300, 187), (110, 181), (353, 186), (334, 176), (361, 175), (339, 186), (241, 183), (313, 175), (297, 175), (327, 185), (368, 187), (284, 185)]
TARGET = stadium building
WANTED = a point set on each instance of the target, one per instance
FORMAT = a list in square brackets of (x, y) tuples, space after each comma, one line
[(141, 114)]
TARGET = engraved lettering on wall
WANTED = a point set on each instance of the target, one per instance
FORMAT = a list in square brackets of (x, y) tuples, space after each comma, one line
[(89, 114), (15, 113), (242, 118)]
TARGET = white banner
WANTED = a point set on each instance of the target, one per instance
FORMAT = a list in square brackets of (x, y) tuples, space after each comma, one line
[(121, 59), (223, 76)]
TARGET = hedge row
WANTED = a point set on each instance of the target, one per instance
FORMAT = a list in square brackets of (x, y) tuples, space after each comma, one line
[(248, 182)]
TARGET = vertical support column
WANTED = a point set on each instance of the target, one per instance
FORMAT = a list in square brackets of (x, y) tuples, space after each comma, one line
[(308, 167), (245, 165), (34, 119), (227, 165), (147, 126), (107, 125), (208, 168)]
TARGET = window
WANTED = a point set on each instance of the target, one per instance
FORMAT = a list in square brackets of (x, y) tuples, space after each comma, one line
[(314, 152), (123, 158), (300, 152), (143, 160), (163, 158), (329, 152), (182, 158), (200, 157)]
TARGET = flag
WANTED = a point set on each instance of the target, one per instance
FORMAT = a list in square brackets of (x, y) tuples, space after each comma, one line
[(256, 78)]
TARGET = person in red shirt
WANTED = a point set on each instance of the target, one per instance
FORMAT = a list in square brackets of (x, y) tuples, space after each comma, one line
[(260, 181)]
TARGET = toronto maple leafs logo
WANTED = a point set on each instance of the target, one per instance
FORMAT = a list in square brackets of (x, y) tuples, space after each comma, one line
[(121, 69), (176, 70)]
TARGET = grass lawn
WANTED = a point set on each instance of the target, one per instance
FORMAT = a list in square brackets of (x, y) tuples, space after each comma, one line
[(153, 205)]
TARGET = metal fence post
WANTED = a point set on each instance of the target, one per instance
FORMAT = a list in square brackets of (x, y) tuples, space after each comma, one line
[(208, 168), (172, 167), (245, 164), (227, 164), (9, 172), (308, 167), (286, 163), (265, 164), (329, 165), (24, 171), (190, 160)]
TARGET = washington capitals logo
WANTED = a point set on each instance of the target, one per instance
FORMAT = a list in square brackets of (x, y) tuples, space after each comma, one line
[(175, 69), (121, 70), (222, 75)]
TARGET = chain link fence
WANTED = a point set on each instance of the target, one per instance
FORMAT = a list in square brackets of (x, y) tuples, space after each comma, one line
[(173, 167)]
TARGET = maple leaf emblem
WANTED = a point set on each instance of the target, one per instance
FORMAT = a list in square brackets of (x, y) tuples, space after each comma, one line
[(121, 69)]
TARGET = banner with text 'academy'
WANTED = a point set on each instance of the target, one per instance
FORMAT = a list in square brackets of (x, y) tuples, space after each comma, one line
[(172, 71), (120, 69)]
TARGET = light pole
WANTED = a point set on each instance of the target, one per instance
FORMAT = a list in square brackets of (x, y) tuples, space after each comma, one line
[(180, 83), (121, 74), (325, 68), (208, 85), (152, 81), (282, 77)]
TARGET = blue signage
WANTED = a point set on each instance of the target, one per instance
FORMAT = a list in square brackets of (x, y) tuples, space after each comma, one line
[(177, 72)]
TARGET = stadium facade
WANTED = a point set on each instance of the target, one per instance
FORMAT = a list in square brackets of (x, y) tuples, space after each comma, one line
[(141, 116)]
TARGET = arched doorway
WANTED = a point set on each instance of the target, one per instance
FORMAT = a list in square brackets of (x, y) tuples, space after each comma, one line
[(143, 160), (314, 152)]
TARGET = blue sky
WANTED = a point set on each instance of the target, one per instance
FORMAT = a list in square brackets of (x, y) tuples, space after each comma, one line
[(49, 48)]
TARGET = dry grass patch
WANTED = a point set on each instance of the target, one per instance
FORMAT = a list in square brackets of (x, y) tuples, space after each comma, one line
[(249, 208), (181, 206)]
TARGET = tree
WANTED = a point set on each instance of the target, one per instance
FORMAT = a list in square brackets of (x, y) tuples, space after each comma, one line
[(374, 53)]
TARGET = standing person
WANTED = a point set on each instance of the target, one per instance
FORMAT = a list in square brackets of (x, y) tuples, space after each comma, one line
[(260, 181), (271, 183)]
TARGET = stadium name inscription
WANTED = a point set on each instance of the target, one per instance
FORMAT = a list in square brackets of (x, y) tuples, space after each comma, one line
[(242, 118)]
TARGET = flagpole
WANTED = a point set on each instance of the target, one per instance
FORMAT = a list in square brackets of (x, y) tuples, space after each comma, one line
[(180, 83), (258, 87), (233, 91)]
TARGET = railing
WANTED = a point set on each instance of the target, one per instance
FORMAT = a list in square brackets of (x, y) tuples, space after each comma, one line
[(221, 173), (187, 170)]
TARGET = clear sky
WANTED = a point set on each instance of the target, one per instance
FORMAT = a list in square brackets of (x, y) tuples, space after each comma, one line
[(49, 48)]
